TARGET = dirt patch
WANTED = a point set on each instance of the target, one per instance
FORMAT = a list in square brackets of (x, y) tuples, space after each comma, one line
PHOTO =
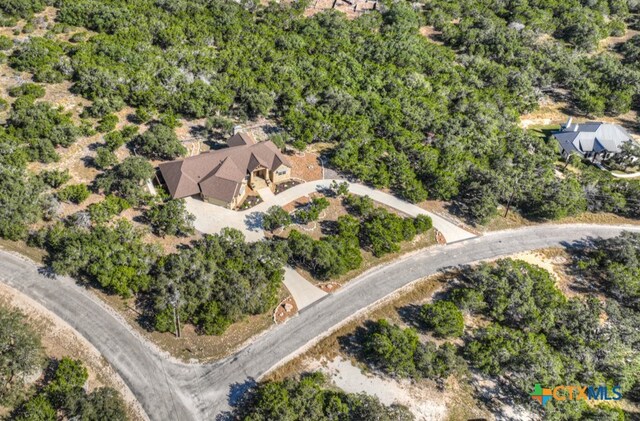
[(423, 398), (351, 8), (21, 248), (553, 112), (60, 340), (432, 34), (306, 166), (611, 43)]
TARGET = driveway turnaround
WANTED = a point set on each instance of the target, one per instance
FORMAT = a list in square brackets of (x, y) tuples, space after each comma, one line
[(170, 390), (210, 219)]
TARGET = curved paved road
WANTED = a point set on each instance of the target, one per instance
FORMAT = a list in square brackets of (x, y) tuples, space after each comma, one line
[(174, 391)]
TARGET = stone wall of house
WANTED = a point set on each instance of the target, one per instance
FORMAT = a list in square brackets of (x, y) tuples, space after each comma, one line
[(284, 176)]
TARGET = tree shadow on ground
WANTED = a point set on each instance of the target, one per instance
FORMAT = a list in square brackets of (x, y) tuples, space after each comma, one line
[(145, 312), (353, 344), (253, 221), (410, 315), (239, 396), (328, 227)]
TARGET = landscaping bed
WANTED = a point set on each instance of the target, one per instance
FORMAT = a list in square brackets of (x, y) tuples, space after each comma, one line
[(284, 186), (250, 202)]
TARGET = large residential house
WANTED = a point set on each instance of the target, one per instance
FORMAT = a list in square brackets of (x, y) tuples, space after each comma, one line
[(592, 140), (221, 176)]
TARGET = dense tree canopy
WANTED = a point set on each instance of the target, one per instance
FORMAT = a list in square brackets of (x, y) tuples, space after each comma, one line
[(127, 180), (538, 335), (20, 353), (311, 398), (63, 395), (114, 257), (216, 281), (614, 264)]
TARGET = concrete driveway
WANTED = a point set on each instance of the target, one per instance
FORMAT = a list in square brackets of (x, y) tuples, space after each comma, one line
[(303, 292), (210, 219)]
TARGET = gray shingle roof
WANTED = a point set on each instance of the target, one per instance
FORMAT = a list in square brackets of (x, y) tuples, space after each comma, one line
[(592, 137)]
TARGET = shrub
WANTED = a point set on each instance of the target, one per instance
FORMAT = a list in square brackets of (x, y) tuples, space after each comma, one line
[(312, 211), (143, 115), (36, 91), (5, 42), (104, 158), (103, 211), (422, 223), (55, 178), (399, 352), (76, 193), (107, 123), (444, 318), (275, 218)]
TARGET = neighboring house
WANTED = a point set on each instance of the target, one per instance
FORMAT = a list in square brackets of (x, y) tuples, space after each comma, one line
[(221, 176), (592, 140)]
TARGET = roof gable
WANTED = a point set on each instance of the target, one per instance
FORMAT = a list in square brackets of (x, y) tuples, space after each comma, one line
[(211, 172)]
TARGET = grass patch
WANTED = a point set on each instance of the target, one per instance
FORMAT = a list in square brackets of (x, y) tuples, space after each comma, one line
[(21, 247), (543, 131)]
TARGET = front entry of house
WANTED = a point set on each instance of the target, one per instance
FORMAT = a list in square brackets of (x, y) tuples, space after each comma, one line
[(260, 179)]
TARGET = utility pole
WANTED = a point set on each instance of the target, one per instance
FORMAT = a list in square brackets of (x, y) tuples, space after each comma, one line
[(175, 302)]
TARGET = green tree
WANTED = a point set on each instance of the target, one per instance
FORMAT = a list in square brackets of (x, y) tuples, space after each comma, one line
[(127, 179), (104, 158), (30, 89), (275, 218), (37, 409), (111, 206), (20, 202), (159, 142), (54, 178), (20, 353), (170, 218), (76, 193), (444, 318), (107, 123)]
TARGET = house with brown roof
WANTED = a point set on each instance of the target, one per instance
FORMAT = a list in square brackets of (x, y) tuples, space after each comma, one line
[(221, 176)]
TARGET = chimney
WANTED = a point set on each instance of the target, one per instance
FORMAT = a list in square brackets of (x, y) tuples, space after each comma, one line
[(568, 123), (237, 129), (575, 128)]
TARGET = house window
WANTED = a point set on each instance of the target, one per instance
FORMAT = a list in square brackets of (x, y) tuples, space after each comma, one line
[(282, 171)]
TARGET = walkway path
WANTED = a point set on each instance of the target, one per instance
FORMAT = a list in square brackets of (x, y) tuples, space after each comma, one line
[(175, 391), (266, 194)]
